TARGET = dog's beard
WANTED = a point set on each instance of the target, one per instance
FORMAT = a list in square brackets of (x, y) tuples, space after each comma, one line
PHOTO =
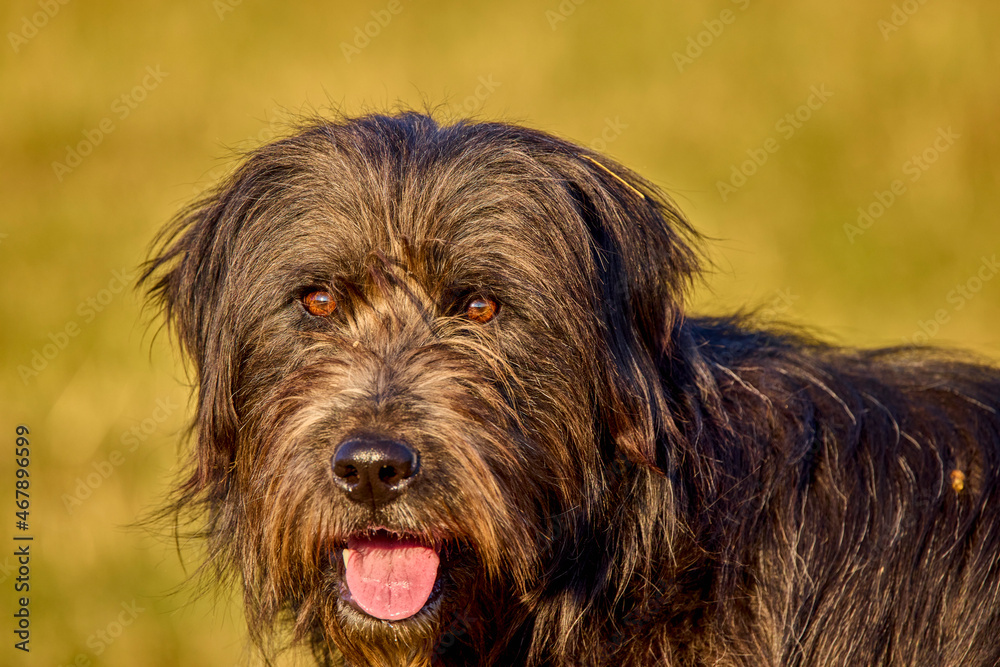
[(384, 583)]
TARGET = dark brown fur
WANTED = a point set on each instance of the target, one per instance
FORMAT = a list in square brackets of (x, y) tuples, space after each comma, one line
[(611, 481)]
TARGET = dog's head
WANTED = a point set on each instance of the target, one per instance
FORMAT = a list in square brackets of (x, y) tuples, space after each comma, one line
[(418, 351)]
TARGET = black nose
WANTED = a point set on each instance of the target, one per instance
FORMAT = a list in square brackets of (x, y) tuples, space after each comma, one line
[(373, 470)]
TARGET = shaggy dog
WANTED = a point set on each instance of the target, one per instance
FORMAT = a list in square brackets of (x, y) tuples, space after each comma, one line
[(452, 410)]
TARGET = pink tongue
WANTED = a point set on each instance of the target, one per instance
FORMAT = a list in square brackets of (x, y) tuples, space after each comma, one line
[(390, 578)]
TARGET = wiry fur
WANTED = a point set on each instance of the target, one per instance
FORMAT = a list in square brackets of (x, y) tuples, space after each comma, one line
[(611, 482)]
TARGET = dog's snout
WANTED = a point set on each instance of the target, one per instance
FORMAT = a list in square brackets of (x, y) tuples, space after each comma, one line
[(373, 470)]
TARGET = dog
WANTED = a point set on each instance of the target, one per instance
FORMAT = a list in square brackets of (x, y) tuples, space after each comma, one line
[(452, 410)]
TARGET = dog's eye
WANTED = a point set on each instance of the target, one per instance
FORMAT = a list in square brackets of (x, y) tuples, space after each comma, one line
[(319, 303), (481, 309)]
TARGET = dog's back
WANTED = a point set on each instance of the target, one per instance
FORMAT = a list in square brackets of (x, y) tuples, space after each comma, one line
[(860, 520)]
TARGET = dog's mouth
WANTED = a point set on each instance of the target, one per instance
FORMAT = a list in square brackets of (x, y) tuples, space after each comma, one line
[(388, 575)]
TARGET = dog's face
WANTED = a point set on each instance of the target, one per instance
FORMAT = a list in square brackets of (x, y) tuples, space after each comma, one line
[(418, 352)]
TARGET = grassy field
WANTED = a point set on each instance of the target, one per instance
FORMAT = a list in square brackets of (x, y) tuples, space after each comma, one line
[(844, 159)]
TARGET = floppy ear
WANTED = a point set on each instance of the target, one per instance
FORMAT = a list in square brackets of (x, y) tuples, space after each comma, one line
[(643, 252), (186, 276)]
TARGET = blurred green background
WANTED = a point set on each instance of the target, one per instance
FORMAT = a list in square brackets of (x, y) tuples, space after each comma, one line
[(115, 114)]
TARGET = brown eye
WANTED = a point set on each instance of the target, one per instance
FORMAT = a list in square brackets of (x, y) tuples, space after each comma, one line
[(481, 309), (319, 303)]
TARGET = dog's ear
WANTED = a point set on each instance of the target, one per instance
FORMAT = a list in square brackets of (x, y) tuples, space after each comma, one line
[(643, 250), (186, 278)]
